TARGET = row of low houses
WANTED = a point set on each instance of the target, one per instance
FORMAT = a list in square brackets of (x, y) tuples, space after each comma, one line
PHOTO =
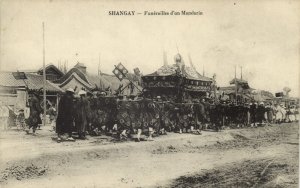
[(14, 92)]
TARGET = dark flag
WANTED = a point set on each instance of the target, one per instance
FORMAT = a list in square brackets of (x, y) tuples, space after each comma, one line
[(120, 71)]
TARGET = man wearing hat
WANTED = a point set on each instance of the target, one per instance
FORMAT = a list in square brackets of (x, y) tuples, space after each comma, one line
[(261, 112), (82, 114), (65, 116), (35, 111)]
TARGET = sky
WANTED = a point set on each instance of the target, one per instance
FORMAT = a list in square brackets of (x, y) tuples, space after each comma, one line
[(262, 37)]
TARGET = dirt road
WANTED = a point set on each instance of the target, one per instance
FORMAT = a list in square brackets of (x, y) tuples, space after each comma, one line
[(251, 157)]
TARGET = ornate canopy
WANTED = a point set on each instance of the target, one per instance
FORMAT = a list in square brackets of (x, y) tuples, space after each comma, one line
[(168, 76), (177, 78)]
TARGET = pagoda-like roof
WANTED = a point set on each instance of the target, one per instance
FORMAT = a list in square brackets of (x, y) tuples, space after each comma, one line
[(188, 72)]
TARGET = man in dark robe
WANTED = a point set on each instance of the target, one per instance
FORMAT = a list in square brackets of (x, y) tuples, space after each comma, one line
[(160, 109), (246, 114), (239, 115), (261, 113), (35, 111), (65, 116), (198, 115), (94, 128), (82, 114), (218, 116), (205, 113)]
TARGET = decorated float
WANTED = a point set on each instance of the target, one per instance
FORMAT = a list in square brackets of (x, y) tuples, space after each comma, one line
[(177, 83)]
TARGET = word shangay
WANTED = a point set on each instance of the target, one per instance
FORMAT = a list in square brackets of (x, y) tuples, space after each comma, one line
[(121, 13)]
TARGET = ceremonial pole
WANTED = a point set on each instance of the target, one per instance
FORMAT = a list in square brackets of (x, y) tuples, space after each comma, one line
[(44, 77)]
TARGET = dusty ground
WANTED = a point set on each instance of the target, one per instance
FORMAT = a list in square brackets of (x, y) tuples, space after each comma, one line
[(251, 157)]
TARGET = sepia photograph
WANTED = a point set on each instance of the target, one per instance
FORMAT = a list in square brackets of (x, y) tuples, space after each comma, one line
[(149, 93)]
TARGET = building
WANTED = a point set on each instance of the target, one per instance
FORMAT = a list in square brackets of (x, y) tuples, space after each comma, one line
[(52, 73), (14, 92)]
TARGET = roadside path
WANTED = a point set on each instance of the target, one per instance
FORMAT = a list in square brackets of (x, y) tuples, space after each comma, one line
[(149, 164)]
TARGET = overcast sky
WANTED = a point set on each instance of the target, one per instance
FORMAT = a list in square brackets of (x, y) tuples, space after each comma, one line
[(261, 36)]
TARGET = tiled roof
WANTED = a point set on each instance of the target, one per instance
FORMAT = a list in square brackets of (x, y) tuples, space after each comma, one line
[(7, 80), (70, 72), (50, 66), (88, 80), (33, 81), (78, 78)]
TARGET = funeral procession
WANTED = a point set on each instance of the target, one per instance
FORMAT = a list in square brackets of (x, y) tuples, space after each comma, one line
[(158, 102)]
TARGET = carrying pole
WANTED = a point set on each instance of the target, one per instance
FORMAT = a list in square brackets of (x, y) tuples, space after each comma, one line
[(44, 77)]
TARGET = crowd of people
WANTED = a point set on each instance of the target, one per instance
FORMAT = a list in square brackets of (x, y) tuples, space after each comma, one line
[(253, 114), (96, 113)]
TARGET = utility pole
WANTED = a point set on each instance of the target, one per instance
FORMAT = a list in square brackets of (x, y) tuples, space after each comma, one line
[(241, 72), (99, 72), (44, 77), (235, 83), (165, 58)]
